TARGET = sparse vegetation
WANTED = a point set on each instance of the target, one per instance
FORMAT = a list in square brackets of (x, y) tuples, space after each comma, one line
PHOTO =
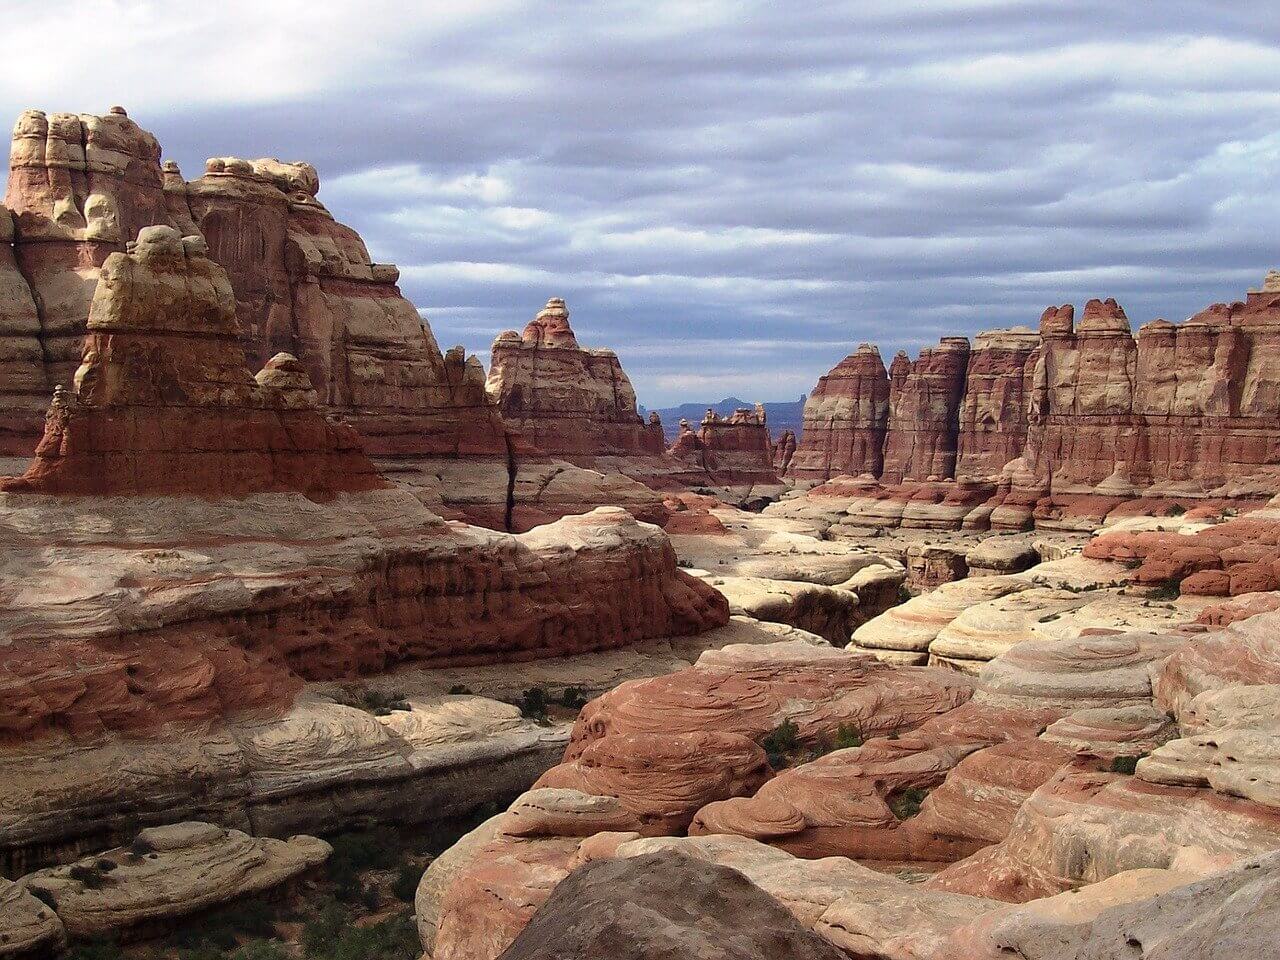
[(358, 852), (94, 950), (1171, 589), (460, 689), (906, 804), (573, 698), (91, 876), (405, 885), (533, 705), (780, 742), (373, 701), (1126, 765), (1176, 510)]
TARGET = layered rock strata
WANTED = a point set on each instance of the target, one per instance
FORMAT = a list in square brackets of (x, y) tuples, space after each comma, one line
[(731, 451), (191, 544), (566, 400), (1064, 427)]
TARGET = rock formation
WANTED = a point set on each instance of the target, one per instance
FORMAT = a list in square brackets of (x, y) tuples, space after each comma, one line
[(305, 284), (730, 451), (565, 400), (309, 565), (664, 904), (168, 873), (1063, 427)]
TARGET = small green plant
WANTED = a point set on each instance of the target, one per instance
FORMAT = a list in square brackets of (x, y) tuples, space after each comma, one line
[(533, 705), (848, 736), (460, 689), (1171, 589), (780, 742), (573, 698), (1176, 510), (906, 804), (372, 701), (1126, 765)]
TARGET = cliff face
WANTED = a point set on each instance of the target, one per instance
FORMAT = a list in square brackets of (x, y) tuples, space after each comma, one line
[(208, 539), (1077, 410), (734, 451), (82, 186), (564, 399)]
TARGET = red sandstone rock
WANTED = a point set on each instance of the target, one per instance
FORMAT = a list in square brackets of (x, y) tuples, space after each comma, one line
[(993, 415), (924, 411), (566, 400), (196, 581), (845, 420), (732, 451), (163, 403)]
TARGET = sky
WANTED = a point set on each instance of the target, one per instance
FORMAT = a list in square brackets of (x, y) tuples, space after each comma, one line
[(730, 195)]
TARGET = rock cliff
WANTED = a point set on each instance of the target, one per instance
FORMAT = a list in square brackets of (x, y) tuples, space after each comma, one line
[(1062, 427)]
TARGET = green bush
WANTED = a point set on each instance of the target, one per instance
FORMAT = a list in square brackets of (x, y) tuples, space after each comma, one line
[(533, 705), (1126, 765), (848, 736), (1171, 589), (573, 698), (323, 928), (261, 950), (90, 876), (1176, 510), (223, 928), (906, 804), (379, 848), (780, 742)]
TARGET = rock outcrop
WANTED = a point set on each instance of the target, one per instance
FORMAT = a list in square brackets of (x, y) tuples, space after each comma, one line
[(168, 873), (733, 451), (221, 518), (664, 904), (1064, 427), (566, 400)]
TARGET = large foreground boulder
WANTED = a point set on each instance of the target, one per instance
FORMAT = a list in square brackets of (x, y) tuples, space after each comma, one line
[(664, 904)]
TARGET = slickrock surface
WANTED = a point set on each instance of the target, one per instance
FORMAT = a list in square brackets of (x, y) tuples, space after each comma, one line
[(168, 873), (1062, 428), (664, 904), (777, 570), (28, 928)]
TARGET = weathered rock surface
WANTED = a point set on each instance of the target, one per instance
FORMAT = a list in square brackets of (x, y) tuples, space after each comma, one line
[(28, 928), (845, 419), (168, 873), (664, 904), (564, 399)]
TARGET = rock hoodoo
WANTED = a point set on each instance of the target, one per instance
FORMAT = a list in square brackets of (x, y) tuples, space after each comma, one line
[(162, 402), (564, 399)]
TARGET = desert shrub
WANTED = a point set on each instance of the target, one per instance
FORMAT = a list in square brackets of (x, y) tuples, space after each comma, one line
[(780, 742), (1126, 765), (1169, 590), (223, 928), (261, 950), (906, 804), (379, 848), (1176, 510), (90, 875), (533, 705), (405, 885), (459, 689), (573, 698), (323, 928)]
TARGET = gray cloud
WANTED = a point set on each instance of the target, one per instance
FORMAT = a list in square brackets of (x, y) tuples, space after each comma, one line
[(732, 195)]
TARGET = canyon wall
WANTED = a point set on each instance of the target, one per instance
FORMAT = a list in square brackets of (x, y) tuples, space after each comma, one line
[(1076, 410), (735, 450)]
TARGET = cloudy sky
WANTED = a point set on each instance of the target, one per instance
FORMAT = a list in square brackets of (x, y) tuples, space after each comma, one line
[(731, 195)]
